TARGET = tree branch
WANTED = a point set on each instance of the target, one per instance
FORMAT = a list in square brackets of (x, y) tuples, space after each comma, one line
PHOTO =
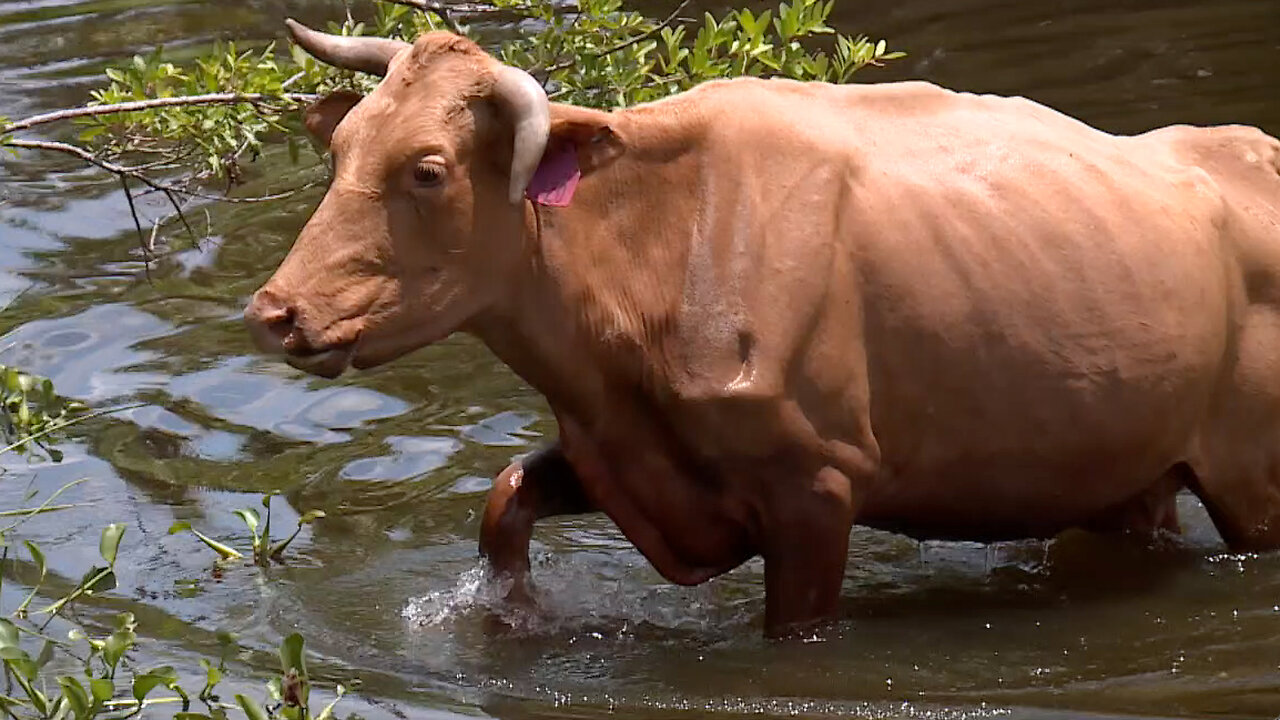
[(136, 174), (171, 192), (209, 99)]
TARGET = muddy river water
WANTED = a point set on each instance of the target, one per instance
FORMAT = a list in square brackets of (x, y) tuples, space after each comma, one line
[(387, 588)]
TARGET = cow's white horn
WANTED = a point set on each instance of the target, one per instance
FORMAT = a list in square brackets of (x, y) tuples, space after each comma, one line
[(365, 54), (526, 104)]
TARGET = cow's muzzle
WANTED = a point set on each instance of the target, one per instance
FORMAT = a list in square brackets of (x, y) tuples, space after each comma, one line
[(273, 325)]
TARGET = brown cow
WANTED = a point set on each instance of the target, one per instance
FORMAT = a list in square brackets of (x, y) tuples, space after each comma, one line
[(772, 309)]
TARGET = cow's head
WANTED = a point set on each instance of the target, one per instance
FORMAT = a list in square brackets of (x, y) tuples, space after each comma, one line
[(421, 230)]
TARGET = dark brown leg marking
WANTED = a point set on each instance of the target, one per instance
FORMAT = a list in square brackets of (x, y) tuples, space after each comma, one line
[(538, 486)]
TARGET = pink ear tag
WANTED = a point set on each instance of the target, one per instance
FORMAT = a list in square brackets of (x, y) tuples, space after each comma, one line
[(556, 178)]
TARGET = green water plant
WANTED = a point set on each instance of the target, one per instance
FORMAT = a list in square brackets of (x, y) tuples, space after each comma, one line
[(90, 674), (261, 547), (30, 411), (91, 671)]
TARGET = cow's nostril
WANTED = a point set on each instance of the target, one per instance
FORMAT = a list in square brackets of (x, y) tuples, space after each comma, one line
[(270, 315)]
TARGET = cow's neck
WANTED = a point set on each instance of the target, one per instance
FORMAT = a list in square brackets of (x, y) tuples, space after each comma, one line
[(592, 318)]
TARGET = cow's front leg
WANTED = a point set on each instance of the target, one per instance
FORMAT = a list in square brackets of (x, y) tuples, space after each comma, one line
[(539, 485), (805, 549)]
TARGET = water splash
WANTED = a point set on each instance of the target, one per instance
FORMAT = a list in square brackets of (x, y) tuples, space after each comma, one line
[(577, 595), (475, 588)]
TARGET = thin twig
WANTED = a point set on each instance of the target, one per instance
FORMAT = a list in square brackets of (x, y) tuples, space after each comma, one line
[(208, 99), (77, 151), (115, 169), (177, 209), (133, 211), (151, 241), (27, 512), (628, 43), (42, 507)]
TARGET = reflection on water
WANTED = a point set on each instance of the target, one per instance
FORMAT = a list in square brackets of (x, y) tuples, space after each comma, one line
[(388, 587)]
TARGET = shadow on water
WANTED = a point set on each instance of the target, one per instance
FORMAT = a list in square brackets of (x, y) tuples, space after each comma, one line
[(388, 589)]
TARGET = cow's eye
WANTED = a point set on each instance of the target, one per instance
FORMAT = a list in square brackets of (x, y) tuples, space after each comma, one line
[(429, 170)]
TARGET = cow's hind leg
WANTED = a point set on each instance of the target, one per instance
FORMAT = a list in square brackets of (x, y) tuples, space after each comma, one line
[(1236, 463), (1244, 506), (539, 485)]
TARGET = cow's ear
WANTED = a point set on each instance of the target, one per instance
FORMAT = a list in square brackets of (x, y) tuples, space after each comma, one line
[(323, 115), (581, 141), (592, 136)]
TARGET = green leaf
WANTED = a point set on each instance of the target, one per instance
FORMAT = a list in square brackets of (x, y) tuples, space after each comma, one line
[(251, 708), (37, 698), (8, 634), (226, 551), (250, 517), (310, 516), (14, 654), (110, 543), (73, 692), (150, 680), (37, 556), (291, 655), (115, 646), (98, 579), (213, 676), (102, 690), (46, 654)]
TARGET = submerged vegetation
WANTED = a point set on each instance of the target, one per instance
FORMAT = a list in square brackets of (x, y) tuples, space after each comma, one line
[(261, 549), (90, 671)]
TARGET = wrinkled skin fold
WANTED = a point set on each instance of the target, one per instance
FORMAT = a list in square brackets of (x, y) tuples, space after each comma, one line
[(770, 310)]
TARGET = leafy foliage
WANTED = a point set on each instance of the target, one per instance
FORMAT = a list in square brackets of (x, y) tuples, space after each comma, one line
[(30, 411), (108, 681), (110, 684), (594, 53), (603, 56), (219, 133)]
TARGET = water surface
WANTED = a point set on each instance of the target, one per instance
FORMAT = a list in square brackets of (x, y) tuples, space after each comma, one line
[(387, 588)]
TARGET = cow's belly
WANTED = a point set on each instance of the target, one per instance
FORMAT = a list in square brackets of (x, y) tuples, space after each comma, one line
[(1003, 441), (1006, 501), (1047, 358)]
